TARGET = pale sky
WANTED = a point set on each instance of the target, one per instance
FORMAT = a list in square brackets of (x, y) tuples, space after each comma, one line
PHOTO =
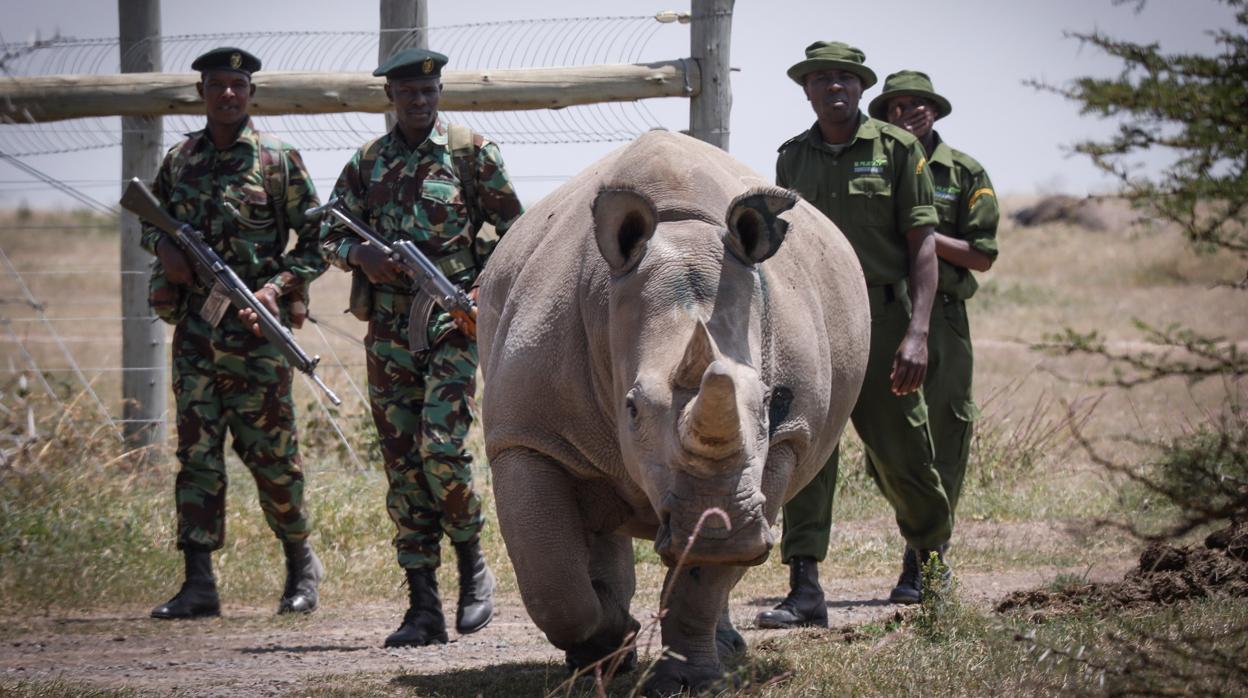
[(978, 52)]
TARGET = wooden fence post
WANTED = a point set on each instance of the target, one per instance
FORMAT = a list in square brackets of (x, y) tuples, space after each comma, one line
[(396, 15), (143, 360), (710, 38)]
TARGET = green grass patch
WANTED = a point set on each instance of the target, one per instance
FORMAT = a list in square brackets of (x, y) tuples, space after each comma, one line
[(964, 652)]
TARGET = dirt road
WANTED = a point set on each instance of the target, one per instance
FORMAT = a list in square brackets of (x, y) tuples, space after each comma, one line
[(249, 652)]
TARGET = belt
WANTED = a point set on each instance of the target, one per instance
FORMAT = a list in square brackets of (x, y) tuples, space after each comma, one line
[(883, 294)]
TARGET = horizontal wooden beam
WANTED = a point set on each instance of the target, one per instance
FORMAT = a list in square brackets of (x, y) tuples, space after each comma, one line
[(57, 97)]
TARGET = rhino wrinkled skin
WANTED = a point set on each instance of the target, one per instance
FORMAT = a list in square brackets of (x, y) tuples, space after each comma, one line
[(664, 334)]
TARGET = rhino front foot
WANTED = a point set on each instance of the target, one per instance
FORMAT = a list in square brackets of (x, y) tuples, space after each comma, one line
[(606, 646), (672, 677), (728, 641)]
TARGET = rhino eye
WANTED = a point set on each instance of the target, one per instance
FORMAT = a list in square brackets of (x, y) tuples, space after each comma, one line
[(631, 406)]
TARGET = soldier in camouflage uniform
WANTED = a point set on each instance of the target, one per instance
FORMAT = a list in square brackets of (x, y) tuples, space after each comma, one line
[(966, 240), (416, 183), (244, 191)]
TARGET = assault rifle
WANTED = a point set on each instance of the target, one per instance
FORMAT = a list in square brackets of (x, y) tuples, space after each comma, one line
[(213, 273), (425, 275)]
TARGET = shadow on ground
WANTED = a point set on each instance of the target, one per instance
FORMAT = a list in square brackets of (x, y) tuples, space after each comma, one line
[(510, 679), (772, 601)]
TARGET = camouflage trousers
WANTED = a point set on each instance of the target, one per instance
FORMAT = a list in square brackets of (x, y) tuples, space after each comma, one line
[(422, 406), (226, 378)]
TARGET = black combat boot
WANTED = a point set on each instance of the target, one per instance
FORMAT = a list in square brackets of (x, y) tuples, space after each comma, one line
[(804, 605), (198, 596), (303, 575), (476, 589), (423, 624), (909, 589)]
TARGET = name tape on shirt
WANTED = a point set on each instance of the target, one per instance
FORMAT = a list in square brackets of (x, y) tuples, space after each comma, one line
[(870, 166)]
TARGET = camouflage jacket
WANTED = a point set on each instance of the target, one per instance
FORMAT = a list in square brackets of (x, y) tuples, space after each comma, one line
[(195, 181), (414, 192), (967, 206)]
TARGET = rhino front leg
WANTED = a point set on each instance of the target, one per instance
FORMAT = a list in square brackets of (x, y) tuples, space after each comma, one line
[(695, 608), (576, 585), (727, 639)]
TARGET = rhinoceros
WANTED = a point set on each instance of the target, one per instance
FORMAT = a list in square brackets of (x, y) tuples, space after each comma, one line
[(663, 335)]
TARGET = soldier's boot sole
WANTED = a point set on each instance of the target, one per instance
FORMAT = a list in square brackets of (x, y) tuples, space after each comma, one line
[(190, 603), (413, 636), (784, 618)]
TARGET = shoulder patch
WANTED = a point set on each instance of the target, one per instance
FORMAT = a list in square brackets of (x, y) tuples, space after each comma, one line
[(985, 191)]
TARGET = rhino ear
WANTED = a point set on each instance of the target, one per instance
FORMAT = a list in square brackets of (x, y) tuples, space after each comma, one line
[(699, 353), (755, 230), (624, 220)]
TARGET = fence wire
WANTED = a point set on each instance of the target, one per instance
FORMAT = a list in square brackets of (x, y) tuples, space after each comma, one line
[(54, 321), (533, 43)]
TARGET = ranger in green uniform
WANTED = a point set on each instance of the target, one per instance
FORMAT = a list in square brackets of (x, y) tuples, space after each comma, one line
[(872, 180), (244, 191), (966, 240), (435, 185)]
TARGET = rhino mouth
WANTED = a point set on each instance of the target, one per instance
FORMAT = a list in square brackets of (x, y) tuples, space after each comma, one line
[(745, 540)]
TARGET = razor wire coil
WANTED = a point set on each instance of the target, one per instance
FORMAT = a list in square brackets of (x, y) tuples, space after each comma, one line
[(512, 44)]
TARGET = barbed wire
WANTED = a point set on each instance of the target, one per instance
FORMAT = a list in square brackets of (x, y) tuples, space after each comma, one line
[(514, 44), (39, 308)]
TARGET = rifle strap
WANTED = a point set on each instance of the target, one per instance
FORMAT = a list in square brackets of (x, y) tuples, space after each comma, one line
[(360, 302), (462, 143), (276, 172), (367, 162)]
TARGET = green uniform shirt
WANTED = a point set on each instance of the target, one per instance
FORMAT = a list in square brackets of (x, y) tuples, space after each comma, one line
[(968, 211), (196, 180), (414, 193), (875, 189)]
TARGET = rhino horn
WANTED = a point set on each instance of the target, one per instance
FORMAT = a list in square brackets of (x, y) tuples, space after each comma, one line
[(699, 353), (711, 424)]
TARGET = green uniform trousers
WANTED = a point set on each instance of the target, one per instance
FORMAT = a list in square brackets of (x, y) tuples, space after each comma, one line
[(895, 434), (227, 379), (421, 404), (951, 411)]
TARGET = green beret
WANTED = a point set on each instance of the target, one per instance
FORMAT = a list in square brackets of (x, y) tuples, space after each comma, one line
[(227, 58), (412, 63), (823, 55), (907, 83)]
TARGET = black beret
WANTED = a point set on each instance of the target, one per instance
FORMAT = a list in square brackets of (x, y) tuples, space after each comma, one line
[(227, 58), (412, 63)]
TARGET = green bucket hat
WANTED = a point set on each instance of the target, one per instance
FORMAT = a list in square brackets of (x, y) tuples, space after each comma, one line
[(907, 83), (833, 54)]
